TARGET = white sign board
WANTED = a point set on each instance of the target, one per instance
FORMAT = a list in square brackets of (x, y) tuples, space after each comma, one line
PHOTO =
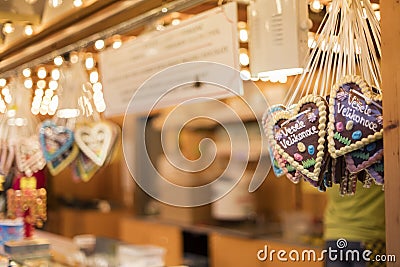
[(148, 66)]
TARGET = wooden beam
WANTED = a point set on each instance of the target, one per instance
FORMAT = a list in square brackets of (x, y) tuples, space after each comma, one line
[(390, 25)]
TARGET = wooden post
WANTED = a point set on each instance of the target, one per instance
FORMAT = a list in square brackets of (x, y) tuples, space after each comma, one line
[(390, 25)]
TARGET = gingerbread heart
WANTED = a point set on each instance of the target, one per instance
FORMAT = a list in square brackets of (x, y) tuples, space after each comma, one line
[(376, 171), (364, 157), (267, 120), (84, 168), (300, 137), (355, 116), (64, 160), (55, 140), (29, 156), (95, 141)]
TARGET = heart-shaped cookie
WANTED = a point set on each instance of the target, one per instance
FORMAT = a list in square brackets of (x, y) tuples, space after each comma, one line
[(376, 171), (64, 160), (29, 156), (95, 140), (55, 140), (355, 116), (84, 168), (266, 121), (364, 157), (300, 137)]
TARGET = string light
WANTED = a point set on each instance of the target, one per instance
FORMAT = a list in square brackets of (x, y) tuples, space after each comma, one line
[(243, 33), (39, 93), (244, 57), (94, 77), (97, 87), (3, 82), (42, 73), (99, 44), (8, 27), (27, 72), (5, 91), (74, 57), (55, 74), (55, 3), (8, 98), (77, 3), (89, 62), (176, 22), (58, 61), (28, 29), (117, 42), (245, 75), (316, 6), (164, 10), (28, 83), (41, 84), (53, 85)]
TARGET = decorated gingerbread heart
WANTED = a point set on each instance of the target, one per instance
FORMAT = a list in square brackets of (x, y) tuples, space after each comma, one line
[(29, 156), (57, 165), (267, 120), (355, 116), (300, 137), (55, 140), (364, 157), (95, 141), (84, 168)]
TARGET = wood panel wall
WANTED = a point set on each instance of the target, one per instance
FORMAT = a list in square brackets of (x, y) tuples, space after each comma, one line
[(390, 25)]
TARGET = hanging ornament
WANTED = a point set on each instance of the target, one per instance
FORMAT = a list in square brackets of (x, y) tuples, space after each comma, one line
[(342, 67)]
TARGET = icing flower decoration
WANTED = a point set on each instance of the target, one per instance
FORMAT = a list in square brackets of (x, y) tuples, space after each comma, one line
[(341, 96), (311, 117), (379, 119), (278, 136)]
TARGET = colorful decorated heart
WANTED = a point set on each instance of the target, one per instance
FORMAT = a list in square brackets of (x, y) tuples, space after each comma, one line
[(300, 137), (290, 172), (84, 168), (29, 156), (55, 140), (376, 171), (355, 116), (364, 157), (64, 160), (95, 141), (267, 120)]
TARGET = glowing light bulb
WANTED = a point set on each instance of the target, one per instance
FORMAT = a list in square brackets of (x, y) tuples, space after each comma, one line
[(55, 74), (27, 72), (78, 3), (53, 85), (41, 84), (3, 82), (243, 35), (316, 6), (28, 29), (117, 42), (58, 61), (42, 73), (8, 28), (244, 59), (245, 75), (175, 22), (28, 83), (99, 44), (94, 77), (55, 3), (97, 87), (89, 62)]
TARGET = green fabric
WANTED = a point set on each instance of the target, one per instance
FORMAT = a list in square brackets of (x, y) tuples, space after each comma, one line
[(360, 217)]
